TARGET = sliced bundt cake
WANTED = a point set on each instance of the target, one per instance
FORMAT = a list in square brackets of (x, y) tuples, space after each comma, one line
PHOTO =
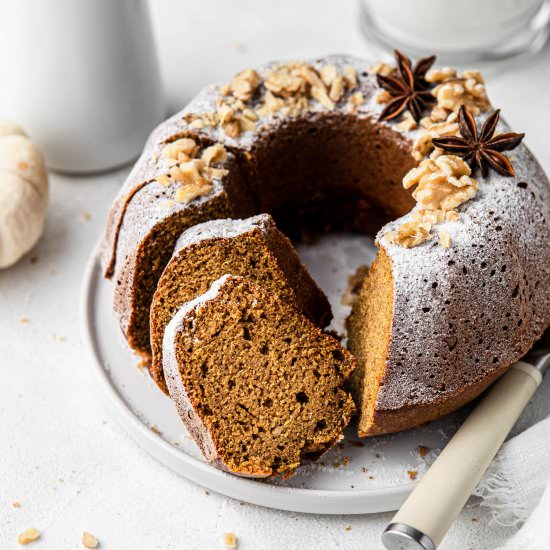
[(461, 289), (258, 385), (252, 248)]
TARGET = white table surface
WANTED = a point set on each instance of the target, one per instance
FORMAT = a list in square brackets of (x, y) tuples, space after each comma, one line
[(61, 457)]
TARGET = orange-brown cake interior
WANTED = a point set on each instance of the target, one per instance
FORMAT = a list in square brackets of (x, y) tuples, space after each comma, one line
[(259, 385), (369, 328), (254, 249)]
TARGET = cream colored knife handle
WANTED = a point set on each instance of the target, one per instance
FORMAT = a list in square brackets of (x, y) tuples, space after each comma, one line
[(432, 507)]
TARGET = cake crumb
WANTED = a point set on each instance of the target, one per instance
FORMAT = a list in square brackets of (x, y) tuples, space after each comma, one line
[(25, 321), (156, 430), (412, 474), (143, 364), (343, 461), (230, 540), (444, 239), (355, 282), (28, 536), (16, 504), (423, 451), (239, 47), (347, 528), (87, 216), (89, 541)]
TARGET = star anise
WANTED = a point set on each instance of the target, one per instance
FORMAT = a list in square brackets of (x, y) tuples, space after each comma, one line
[(408, 87), (481, 149)]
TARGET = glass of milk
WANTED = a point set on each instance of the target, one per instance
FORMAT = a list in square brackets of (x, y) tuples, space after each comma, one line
[(457, 30)]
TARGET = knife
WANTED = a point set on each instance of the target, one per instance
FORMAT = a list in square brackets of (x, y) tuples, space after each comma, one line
[(426, 515)]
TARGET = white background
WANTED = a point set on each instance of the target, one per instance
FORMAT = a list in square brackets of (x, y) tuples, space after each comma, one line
[(68, 464)]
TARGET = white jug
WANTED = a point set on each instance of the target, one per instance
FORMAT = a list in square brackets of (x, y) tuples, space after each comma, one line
[(81, 76)]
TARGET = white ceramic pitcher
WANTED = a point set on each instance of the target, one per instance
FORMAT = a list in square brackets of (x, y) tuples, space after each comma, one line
[(82, 77)]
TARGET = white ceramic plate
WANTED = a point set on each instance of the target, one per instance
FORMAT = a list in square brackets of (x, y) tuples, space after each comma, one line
[(356, 477)]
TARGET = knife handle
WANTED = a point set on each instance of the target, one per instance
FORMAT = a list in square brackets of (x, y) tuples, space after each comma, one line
[(434, 504)]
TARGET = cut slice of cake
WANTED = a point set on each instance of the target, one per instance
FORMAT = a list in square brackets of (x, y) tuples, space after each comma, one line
[(369, 328), (252, 248), (257, 384)]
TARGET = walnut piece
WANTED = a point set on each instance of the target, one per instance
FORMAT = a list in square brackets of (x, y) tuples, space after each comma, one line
[(440, 74), (410, 234), (180, 150), (430, 129), (189, 192), (350, 76), (214, 153), (230, 541), (355, 101), (418, 228), (407, 123), (244, 84), (294, 84), (381, 68), (164, 180), (465, 89), (444, 239), (89, 541), (271, 105), (383, 97), (28, 536), (194, 175), (443, 183)]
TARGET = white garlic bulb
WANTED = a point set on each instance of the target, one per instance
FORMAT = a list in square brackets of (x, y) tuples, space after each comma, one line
[(23, 193)]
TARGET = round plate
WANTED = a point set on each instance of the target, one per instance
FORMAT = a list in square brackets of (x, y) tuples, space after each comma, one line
[(355, 477)]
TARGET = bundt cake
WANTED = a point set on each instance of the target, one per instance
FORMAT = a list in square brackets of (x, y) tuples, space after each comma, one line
[(252, 248), (258, 385), (461, 287)]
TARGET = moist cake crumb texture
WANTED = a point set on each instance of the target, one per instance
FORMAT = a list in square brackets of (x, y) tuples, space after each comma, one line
[(259, 387)]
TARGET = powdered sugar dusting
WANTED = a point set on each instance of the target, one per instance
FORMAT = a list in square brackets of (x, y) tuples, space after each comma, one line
[(176, 322), (463, 313), (222, 229)]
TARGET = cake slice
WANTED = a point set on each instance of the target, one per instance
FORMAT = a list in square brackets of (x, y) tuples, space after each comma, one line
[(257, 384), (252, 248), (369, 332)]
